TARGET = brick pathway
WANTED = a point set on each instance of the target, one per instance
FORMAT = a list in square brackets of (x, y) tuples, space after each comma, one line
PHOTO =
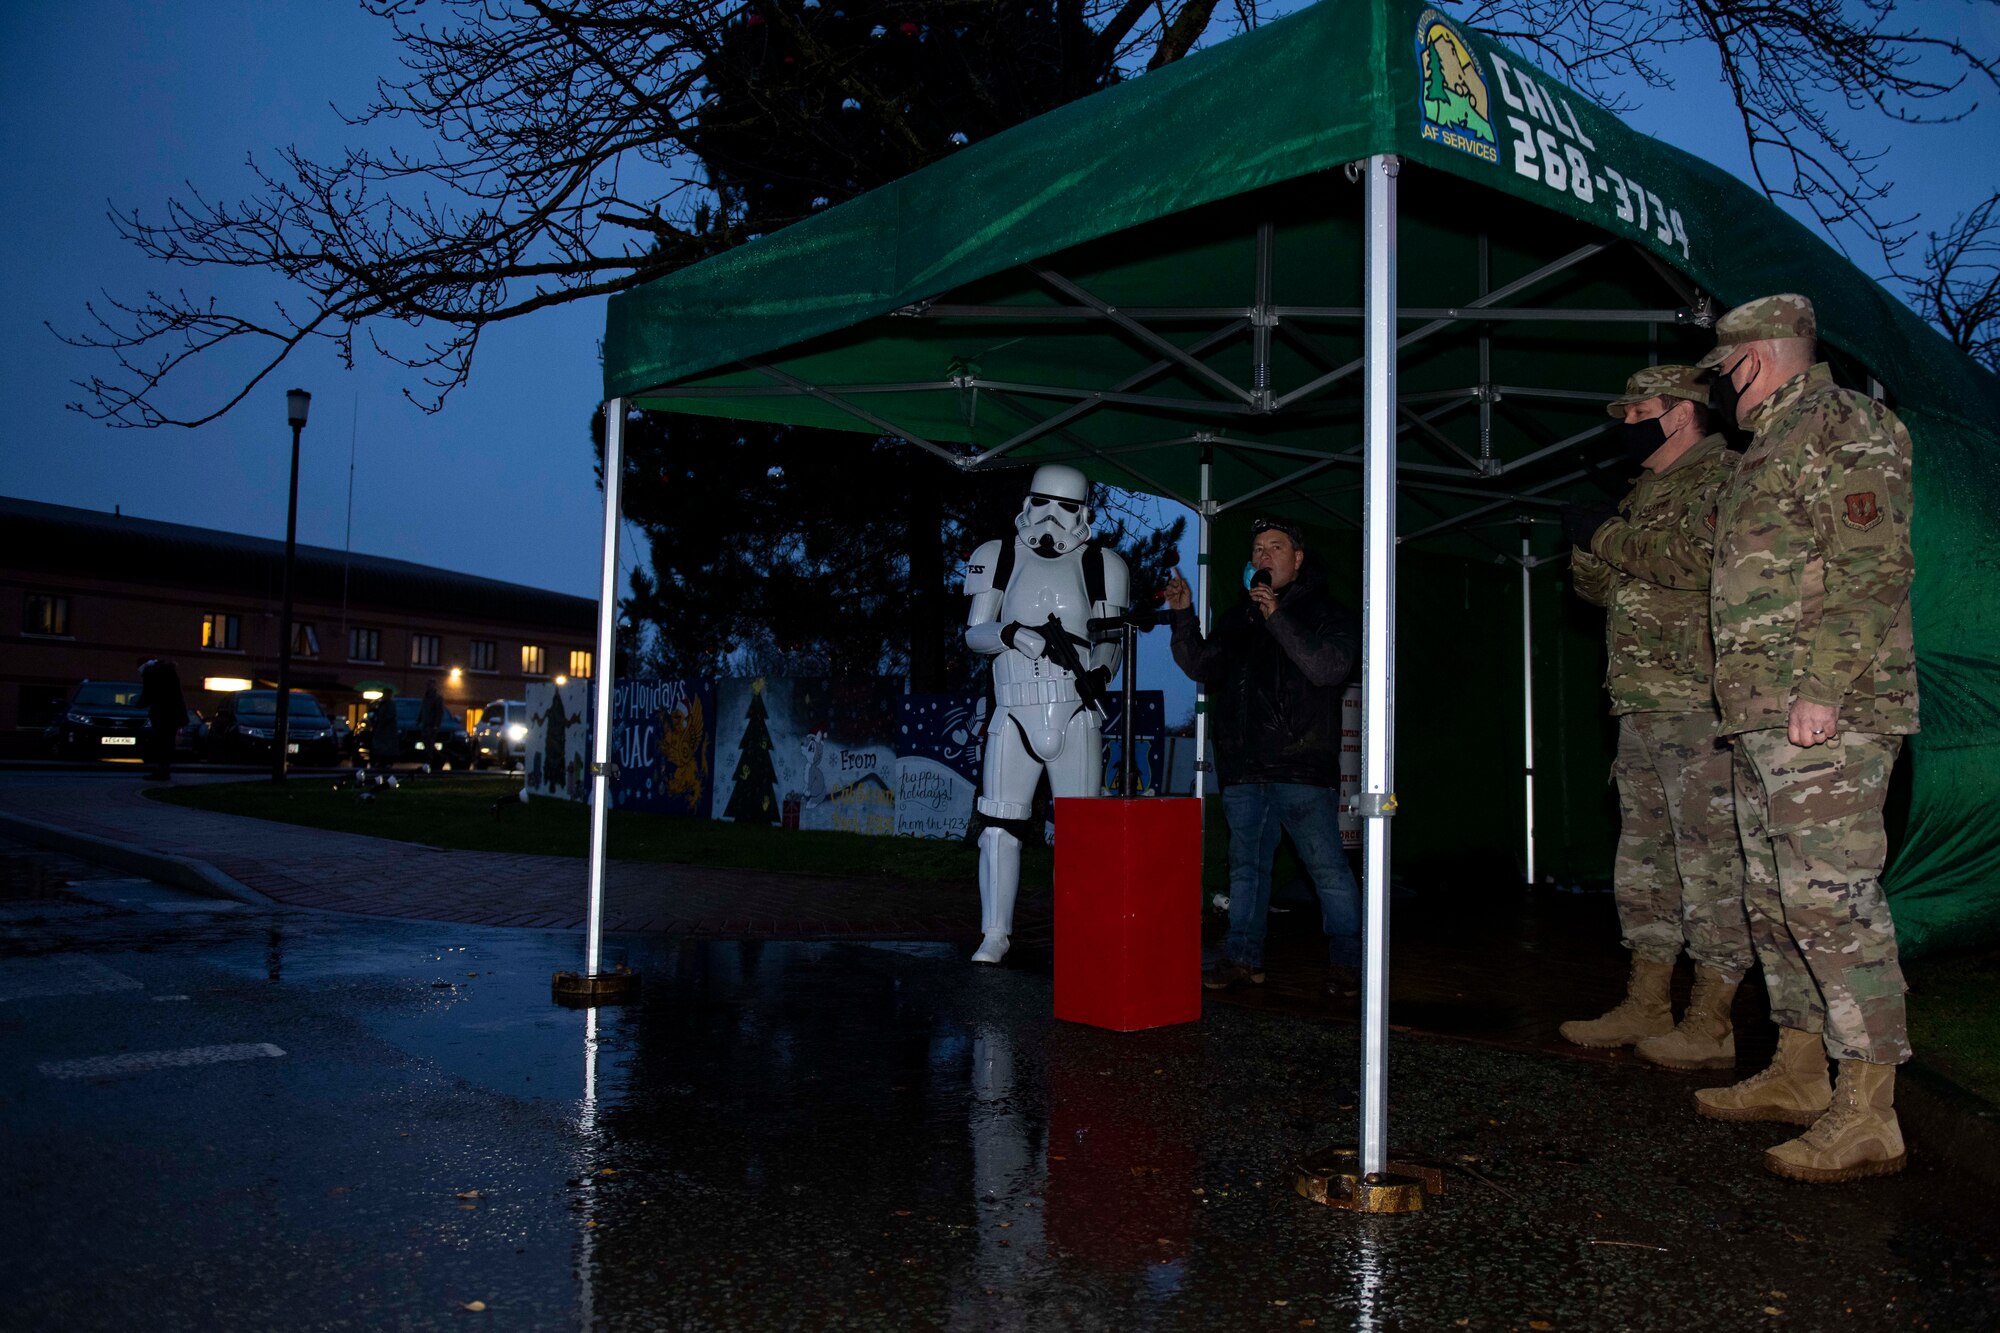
[(349, 872)]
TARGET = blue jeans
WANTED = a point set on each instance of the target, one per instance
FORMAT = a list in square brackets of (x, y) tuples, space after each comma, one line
[(1258, 813)]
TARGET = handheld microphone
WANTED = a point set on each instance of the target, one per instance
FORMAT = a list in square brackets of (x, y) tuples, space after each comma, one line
[(1261, 579)]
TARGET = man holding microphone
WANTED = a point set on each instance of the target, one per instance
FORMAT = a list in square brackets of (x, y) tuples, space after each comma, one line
[(1273, 668)]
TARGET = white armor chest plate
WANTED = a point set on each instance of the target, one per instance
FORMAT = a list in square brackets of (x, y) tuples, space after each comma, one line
[(1039, 588)]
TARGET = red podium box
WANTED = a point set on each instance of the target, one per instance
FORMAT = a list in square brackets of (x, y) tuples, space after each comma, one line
[(1128, 911)]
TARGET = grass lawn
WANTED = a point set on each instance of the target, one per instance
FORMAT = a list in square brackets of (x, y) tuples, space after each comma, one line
[(458, 813)]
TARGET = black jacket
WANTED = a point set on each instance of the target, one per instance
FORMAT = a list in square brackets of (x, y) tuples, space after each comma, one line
[(160, 694), (1274, 685)]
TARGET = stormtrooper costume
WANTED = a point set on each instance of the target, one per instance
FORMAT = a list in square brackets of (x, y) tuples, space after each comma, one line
[(1040, 721)]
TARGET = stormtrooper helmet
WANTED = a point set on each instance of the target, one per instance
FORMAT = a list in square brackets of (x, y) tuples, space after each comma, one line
[(1055, 517)]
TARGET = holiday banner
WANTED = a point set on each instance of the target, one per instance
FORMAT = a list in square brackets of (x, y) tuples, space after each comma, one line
[(807, 753), (663, 741), (558, 740), (940, 745)]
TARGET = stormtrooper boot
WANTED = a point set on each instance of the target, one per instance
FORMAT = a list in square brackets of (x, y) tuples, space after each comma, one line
[(999, 882), (1792, 1090), (1646, 1010), (1858, 1136)]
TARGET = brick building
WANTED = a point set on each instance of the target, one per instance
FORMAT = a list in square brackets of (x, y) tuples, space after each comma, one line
[(84, 595)]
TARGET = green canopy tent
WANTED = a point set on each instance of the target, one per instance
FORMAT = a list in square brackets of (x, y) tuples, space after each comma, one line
[(1360, 267)]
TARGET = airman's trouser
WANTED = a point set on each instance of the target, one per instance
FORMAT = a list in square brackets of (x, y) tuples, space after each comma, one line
[(1814, 846), (1678, 878)]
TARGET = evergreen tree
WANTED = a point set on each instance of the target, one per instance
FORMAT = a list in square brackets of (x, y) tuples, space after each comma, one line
[(831, 544), (754, 799)]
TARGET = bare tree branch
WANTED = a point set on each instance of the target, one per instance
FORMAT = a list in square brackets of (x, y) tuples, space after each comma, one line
[(1790, 67), (529, 153), (1959, 287)]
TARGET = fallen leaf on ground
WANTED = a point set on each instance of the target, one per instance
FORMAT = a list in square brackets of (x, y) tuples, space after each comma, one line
[(469, 1194), (608, 1171), (1772, 1309), (475, 1306)]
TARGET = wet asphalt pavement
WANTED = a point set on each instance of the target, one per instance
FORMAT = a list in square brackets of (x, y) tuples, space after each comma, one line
[(307, 1121)]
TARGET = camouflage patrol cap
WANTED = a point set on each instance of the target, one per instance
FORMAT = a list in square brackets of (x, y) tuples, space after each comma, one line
[(1661, 382), (1786, 315)]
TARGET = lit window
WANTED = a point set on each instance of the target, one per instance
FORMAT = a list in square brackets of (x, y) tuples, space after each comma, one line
[(579, 663), (424, 651), (305, 640), (221, 631), (364, 645), (532, 663), (485, 655), (46, 614)]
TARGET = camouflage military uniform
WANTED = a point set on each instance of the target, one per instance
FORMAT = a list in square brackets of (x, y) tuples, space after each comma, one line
[(1810, 600), (1678, 877)]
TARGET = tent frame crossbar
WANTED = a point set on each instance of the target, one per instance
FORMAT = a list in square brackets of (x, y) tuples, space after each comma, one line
[(1262, 318), (1071, 314), (1144, 336), (1542, 274)]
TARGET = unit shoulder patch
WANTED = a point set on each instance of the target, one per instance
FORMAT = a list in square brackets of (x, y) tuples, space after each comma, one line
[(1863, 512)]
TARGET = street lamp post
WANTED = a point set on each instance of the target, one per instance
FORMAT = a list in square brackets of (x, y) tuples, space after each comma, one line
[(296, 403)]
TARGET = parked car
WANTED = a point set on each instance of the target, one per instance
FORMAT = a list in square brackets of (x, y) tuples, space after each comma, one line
[(502, 734), (245, 729), (102, 719), (453, 744), (191, 740)]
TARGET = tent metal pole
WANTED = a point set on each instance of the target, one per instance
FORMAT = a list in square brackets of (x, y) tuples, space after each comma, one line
[(604, 675), (1485, 355), (1260, 356), (1378, 673), (1528, 694), (1203, 517)]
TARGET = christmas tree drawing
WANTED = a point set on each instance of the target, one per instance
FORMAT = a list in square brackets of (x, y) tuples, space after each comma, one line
[(754, 799)]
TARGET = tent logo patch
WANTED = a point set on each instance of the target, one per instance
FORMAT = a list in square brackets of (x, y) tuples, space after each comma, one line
[(1862, 511), (1452, 90)]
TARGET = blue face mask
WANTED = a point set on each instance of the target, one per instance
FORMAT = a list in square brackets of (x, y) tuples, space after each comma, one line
[(1249, 574)]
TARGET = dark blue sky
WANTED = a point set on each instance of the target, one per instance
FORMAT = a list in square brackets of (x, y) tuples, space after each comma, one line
[(126, 101)]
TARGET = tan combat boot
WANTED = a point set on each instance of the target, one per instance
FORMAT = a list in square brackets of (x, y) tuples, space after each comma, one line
[(1645, 1011), (1705, 1038), (1793, 1089), (1858, 1137)]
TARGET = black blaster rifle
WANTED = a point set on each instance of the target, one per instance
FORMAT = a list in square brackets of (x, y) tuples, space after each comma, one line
[(1059, 646)]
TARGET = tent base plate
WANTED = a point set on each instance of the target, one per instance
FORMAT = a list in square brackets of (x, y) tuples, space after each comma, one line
[(1333, 1176), (619, 986)]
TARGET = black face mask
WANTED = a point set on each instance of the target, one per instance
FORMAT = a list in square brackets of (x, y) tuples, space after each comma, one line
[(1723, 398), (1642, 439)]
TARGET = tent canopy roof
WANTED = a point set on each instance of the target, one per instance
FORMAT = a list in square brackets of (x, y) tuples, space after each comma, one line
[(1171, 269), (1175, 261)]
